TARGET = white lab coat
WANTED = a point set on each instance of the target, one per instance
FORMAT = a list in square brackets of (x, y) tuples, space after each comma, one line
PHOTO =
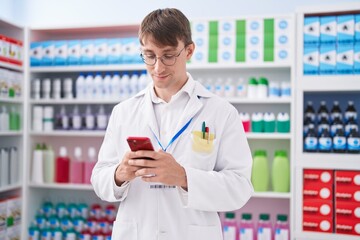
[(218, 180)]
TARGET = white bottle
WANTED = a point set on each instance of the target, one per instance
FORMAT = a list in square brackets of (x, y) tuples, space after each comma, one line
[(101, 119), (143, 80), (62, 119), (98, 87), (285, 89), (107, 87), (241, 88), (4, 167), (14, 166), (80, 86), (68, 88), (56, 88), (36, 88), (48, 119), (116, 93), (125, 86), (37, 172), (89, 119), (76, 119), (219, 87), (37, 120), (134, 84), (229, 89), (209, 85), (89, 86), (274, 89), (46, 88), (4, 119), (49, 164)]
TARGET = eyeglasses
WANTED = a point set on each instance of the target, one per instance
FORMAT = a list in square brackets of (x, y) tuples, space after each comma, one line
[(167, 59)]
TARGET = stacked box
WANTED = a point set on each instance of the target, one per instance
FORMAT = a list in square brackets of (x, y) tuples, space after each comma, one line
[(130, 49), (345, 58), (200, 31), (74, 52), (328, 30), (60, 53), (227, 41), (283, 40), (345, 28), (311, 31), (255, 40), (87, 52), (328, 57), (311, 60), (36, 53), (114, 51)]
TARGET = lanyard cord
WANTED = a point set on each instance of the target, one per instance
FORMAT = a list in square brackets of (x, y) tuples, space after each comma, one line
[(174, 137)]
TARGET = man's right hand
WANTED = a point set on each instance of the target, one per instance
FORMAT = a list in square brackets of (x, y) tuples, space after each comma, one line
[(125, 172)]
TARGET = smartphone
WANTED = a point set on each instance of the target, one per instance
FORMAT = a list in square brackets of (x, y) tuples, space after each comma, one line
[(140, 143)]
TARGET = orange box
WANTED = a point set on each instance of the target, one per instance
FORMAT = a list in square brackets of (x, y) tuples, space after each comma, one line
[(318, 208), (319, 176), (347, 210), (347, 226), (318, 224), (317, 191), (347, 194), (347, 178)]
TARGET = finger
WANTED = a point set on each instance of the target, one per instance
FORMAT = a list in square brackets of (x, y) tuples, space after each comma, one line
[(145, 172), (142, 163), (146, 154)]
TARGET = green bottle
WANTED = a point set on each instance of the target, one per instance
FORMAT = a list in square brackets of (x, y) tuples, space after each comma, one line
[(260, 176), (281, 172)]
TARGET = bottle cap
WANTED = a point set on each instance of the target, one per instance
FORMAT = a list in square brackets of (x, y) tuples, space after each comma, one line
[(260, 153), (282, 218), (77, 152), (264, 217), (280, 153), (230, 215), (263, 81), (63, 152), (91, 153), (252, 81), (246, 216)]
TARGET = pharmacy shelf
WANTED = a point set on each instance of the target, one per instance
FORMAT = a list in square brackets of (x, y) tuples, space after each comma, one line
[(224, 66), (64, 186), (10, 188), (259, 101), (330, 83), (73, 101), (11, 66), (88, 68), (11, 100), (324, 236), (268, 135), (271, 195), (70, 133), (340, 161), (11, 133)]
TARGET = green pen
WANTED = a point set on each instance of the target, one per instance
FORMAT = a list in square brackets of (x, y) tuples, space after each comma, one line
[(203, 130)]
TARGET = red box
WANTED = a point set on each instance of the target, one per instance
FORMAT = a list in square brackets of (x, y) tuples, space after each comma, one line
[(347, 226), (317, 191), (347, 210), (316, 176), (347, 178), (318, 224), (322, 208), (347, 194)]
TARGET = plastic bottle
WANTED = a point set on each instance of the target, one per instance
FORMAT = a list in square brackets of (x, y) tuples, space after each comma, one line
[(125, 85), (56, 88), (219, 87), (264, 229), (310, 111), (89, 119), (269, 122), (62, 166), (262, 88), (351, 124), (323, 124), (325, 141), (257, 122), (37, 171), (274, 89), (283, 122), (48, 118), (36, 89), (76, 119), (311, 141), (285, 89), (143, 80), (281, 172), (230, 226), (62, 119), (4, 119), (252, 88), (46, 88), (134, 84), (308, 123), (339, 141), (68, 88), (116, 92), (353, 141), (14, 165), (282, 231), (337, 124), (101, 119), (14, 119), (323, 112), (98, 86), (350, 111), (107, 90), (209, 85), (229, 89), (34, 231), (241, 90), (247, 228), (260, 176), (80, 87), (4, 167), (336, 111), (89, 86), (245, 119), (77, 167), (49, 164), (89, 165), (37, 121)]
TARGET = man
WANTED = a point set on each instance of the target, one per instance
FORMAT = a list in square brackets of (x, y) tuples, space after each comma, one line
[(202, 164)]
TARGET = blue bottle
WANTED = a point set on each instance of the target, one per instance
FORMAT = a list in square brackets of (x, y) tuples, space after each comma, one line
[(325, 141), (307, 123), (351, 124), (337, 124), (336, 111), (323, 112), (310, 111), (311, 141), (353, 141), (323, 124), (339, 141)]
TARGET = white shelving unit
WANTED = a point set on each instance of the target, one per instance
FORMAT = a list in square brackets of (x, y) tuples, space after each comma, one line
[(14, 138), (322, 85)]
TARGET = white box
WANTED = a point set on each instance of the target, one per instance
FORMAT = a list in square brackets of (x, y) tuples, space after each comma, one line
[(74, 52), (345, 58), (131, 50), (254, 25), (61, 53), (345, 28), (48, 53), (100, 51), (226, 55), (200, 56), (227, 27), (201, 41), (200, 27), (282, 25), (254, 40), (327, 64), (87, 52), (282, 54), (311, 30), (227, 42), (311, 60), (254, 55), (114, 50)]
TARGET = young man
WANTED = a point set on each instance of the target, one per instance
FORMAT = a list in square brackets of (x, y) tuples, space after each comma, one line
[(202, 162)]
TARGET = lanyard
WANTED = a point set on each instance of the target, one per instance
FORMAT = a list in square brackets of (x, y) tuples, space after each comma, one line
[(174, 137)]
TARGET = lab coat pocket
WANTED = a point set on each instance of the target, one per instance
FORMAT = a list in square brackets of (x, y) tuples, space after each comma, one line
[(124, 230), (202, 142), (204, 232)]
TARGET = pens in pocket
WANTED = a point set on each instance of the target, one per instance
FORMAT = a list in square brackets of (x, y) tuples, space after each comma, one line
[(203, 129), (208, 134)]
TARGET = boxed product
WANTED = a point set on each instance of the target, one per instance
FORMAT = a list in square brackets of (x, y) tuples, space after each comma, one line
[(48, 53), (356, 69), (318, 224), (311, 30), (357, 28), (347, 210), (36, 53), (327, 59), (328, 29), (74, 52), (282, 54), (347, 194), (100, 51), (130, 50), (87, 52), (13, 211), (255, 26), (200, 28), (3, 212), (314, 191), (311, 60), (345, 28), (345, 58), (114, 50), (227, 27), (347, 226), (319, 177), (61, 53), (318, 207), (347, 178)]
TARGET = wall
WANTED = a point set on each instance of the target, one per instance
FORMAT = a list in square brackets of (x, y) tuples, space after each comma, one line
[(6, 12), (47, 13)]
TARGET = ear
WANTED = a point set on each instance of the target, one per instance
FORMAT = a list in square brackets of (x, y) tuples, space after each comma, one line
[(190, 50)]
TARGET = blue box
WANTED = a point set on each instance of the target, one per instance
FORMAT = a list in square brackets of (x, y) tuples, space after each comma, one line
[(87, 52), (327, 64), (48, 50), (114, 50), (100, 51), (311, 30), (356, 69), (74, 48), (357, 28), (311, 60), (35, 53), (328, 29), (345, 58), (130, 50), (61, 53), (345, 28)]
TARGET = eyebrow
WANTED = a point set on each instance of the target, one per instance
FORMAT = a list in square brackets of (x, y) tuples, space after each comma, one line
[(164, 51)]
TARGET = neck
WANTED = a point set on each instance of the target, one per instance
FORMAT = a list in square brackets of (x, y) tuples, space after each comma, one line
[(166, 93)]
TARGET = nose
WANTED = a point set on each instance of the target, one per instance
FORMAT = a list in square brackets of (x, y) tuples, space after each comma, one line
[(159, 66)]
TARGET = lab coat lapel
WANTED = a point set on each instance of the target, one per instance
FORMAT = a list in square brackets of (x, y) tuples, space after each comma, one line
[(149, 115)]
